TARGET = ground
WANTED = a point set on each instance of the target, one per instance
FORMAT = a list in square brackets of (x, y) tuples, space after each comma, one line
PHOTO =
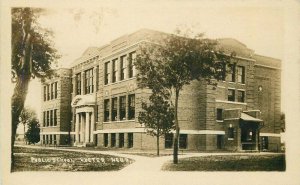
[(229, 163), (36, 158)]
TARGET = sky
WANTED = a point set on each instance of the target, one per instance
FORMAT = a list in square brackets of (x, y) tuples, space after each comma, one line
[(259, 27)]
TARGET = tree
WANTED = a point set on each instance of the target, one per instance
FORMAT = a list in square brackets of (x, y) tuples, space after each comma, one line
[(158, 117), (32, 135), (175, 62), (32, 56), (26, 116)]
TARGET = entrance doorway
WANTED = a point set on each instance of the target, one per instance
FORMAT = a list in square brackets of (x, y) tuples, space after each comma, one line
[(220, 141)]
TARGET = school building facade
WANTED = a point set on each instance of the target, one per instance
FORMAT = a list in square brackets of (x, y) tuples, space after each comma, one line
[(96, 102)]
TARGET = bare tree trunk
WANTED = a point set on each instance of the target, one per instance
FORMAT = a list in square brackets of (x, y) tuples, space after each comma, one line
[(20, 91), (157, 143), (175, 151), (18, 100)]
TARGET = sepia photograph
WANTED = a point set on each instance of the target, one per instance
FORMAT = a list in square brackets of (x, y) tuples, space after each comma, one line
[(142, 92)]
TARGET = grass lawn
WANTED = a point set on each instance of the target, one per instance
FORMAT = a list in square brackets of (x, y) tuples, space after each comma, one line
[(229, 163), (38, 159)]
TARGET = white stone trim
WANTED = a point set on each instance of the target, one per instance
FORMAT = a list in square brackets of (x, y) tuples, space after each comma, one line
[(124, 130), (227, 119), (144, 130), (221, 86), (202, 132), (234, 109), (261, 65), (231, 102), (56, 133), (270, 134)]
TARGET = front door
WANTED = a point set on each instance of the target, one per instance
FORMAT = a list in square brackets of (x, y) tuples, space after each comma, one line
[(220, 141)]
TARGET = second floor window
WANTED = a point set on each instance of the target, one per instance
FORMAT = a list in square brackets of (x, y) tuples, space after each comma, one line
[(122, 108), (241, 96), (231, 95), (88, 81), (114, 70), (45, 93), (52, 91), (106, 110), (48, 92), (131, 106), (97, 78), (114, 105), (106, 73), (78, 83), (131, 67), (55, 90), (219, 114), (231, 73), (123, 67), (241, 74), (55, 117)]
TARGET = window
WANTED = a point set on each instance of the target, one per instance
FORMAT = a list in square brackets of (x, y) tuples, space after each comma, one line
[(220, 114), (50, 139), (44, 118), (78, 83), (96, 111), (45, 93), (88, 81), (231, 95), (44, 139), (52, 91), (51, 117), (131, 106), (55, 117), (130, 140), (183, 141), (97, 78), (113, 140), (121, 140), (230, 133), (241, 74), (55, 90), (54, 139), (47, 139), (241, 96), (168, 140), (106, 110), (123, 67), (105, 139), (231, 73), (115, 70), (48, 119), (122, 108), (107, 73), (131, 67), (114, 105), (48, 92)]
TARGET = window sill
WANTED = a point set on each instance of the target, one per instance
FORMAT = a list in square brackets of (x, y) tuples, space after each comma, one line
[(220, 121), (113, 83), (230, 139), (123, 121)]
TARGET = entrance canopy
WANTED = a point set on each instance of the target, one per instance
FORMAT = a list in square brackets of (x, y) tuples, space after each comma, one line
[(246, 117), (83, 100)]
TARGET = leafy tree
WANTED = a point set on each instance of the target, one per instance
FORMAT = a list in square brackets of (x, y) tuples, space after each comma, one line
[(32, 135), (32, 56), (176, 62), (158, 117), (26, 116)]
